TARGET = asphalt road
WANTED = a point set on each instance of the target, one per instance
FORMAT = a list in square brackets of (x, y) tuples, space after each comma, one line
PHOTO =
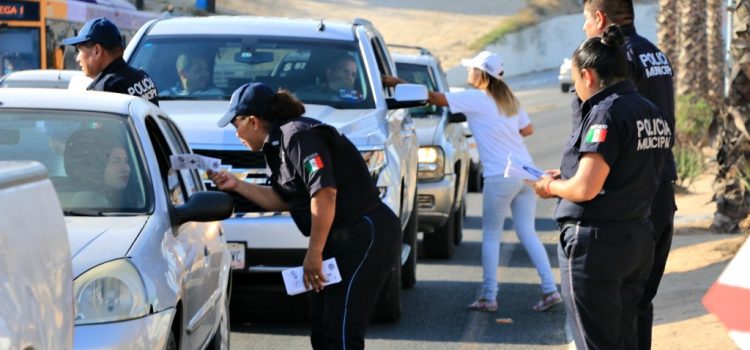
[(434, 315)]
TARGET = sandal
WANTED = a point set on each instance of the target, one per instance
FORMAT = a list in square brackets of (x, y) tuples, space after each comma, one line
[(547, 302), (483, 304)]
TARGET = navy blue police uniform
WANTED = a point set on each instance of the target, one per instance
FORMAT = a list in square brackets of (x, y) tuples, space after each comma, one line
[(651, 71), (303, 157), (606, 243), (119, 77)]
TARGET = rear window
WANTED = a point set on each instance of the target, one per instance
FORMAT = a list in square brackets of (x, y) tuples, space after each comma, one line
[(211, 68), (92, 158)]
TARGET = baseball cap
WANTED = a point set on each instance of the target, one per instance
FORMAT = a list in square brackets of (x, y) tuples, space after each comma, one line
[(487, 61), (249, 99), (99, 31)]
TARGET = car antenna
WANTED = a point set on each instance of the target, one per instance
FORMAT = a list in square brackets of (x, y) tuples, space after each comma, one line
[(321, 26)]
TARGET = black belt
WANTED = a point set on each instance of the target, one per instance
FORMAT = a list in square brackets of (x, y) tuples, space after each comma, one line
[(565, 223)]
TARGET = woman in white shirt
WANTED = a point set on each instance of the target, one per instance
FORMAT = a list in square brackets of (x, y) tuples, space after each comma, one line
[(499, 124)]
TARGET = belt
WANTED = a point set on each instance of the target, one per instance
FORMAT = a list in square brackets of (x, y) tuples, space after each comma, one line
[(565, 223)]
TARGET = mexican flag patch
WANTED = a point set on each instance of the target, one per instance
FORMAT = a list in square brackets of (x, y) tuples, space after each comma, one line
[(313, 164), (597, 133)]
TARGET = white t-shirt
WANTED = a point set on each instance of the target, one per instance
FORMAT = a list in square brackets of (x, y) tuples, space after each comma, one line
[(497, 135)]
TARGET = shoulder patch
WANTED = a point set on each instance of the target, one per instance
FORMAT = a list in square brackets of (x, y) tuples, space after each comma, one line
[(313, 163), (597, 133)]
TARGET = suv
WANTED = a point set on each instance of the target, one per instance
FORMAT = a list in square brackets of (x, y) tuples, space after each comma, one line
[(299, 56), (443, 157)]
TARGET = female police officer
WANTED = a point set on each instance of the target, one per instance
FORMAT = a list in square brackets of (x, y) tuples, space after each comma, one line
[(610, 171), (320, 177)]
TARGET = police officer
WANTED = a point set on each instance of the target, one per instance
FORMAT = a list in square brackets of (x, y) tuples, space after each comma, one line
[(100, 48), (610, 170), (651, 71), (321, 178)]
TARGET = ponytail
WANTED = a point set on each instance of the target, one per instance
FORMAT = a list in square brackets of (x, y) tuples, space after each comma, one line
[(500, 91), (603, 55), (283, 109)]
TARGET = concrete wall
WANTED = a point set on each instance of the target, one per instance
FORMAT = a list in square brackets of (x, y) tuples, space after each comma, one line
[(543, 46)]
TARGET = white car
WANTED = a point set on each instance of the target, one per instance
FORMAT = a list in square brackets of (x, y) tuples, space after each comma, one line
[(296, 55), (443, 156), (36, 278), (566, 81), (40, 78), (476, 170), (150, 262)]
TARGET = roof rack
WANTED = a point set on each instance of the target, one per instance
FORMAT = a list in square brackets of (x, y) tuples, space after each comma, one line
[(361, 22), (422, 50)]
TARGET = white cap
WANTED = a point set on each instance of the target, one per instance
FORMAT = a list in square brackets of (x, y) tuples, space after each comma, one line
[(487, 61)]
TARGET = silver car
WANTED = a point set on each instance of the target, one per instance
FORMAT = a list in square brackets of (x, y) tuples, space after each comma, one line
[(443, 157), (150, 262), (566, 81)]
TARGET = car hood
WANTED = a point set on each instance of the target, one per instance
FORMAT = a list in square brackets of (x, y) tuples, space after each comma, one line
[(426, 129), (95, 240), (197, 121)]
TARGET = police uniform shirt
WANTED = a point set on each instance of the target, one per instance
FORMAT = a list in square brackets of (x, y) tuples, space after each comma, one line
[(305, 156), (629, 133), (652, 73), (119, 77)]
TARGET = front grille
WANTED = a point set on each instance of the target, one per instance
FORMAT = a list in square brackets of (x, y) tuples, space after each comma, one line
[(237, 159)]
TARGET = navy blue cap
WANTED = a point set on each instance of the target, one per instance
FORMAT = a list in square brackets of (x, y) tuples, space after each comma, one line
[(98, 31), (249, 99)]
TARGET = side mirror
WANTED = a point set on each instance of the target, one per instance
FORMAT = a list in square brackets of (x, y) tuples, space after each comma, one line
[(456, 118), (205, 206), (407, 96)]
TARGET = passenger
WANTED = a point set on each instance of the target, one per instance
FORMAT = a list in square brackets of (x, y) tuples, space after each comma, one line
[(195, 77), (340, 77), (100, 48), (611, 169), (321, 178), (499, 124), (652, 74), (97, 162)]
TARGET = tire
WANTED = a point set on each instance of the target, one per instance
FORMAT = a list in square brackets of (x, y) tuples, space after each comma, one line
[(388, 307), (565, 87), (409, 269), (440, 244), (459, 222)]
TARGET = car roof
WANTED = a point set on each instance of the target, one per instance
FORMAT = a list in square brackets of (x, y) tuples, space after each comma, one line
[(246, 25), (42, 74), (63, 99), (424, 60)]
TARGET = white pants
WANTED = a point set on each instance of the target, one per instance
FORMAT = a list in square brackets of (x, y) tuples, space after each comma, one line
[(500, 194)]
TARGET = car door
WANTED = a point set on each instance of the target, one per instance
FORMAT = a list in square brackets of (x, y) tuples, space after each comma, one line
[(189, 241)]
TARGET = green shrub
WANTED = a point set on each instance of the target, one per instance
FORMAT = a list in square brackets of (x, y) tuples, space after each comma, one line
[(693, 116), (689, 164)]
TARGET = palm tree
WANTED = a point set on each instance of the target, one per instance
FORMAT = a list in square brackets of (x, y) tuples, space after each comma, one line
[(668, 30), (733, 157), (691, 73), (715, 43)]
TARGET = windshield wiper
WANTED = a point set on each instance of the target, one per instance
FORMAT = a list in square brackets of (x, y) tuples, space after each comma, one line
[(84, 212)]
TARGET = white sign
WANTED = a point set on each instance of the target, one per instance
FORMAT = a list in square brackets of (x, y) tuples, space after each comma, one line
[(295, 283)]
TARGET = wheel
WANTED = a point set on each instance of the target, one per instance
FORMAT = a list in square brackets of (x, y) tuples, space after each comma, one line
[(409, 269), (459, 221), (565, 87), (388, 307), (440, 243)]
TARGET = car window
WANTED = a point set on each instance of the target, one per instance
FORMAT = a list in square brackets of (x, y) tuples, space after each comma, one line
[(317, 71), (173, 179), (420, 74), (92, 158), (190, 177)]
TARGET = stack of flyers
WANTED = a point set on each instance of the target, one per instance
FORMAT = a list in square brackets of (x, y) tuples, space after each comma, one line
[(194, 161), (518, 169), (295, 283)]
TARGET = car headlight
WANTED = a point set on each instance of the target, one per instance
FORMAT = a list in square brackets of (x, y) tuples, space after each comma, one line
[(431, 163), (109, 292)]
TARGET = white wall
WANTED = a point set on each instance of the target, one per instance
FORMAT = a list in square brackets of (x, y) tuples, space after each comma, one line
[(543, 46)]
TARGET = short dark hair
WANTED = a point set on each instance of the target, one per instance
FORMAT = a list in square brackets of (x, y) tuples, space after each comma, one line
[(603, 54), (286, 107), (618, 11)]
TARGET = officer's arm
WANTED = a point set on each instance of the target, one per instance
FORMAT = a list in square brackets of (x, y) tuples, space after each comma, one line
[(263, 196), (323, 209), (586, 183)]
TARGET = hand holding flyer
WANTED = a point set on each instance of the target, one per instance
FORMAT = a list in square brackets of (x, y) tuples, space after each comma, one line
[(194, 161), (518, 169), (294, 282)]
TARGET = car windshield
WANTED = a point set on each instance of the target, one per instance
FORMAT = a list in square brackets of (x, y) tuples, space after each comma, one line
[(92, 159), (210, 68), (420, 74)]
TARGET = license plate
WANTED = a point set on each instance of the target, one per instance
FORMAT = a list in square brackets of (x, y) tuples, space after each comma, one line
[(237, 251)]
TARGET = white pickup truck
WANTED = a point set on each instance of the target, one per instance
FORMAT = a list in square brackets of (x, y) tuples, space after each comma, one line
[(36, 279)]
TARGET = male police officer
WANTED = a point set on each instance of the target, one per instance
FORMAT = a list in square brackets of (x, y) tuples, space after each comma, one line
[(651, 71), (100, 47)]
